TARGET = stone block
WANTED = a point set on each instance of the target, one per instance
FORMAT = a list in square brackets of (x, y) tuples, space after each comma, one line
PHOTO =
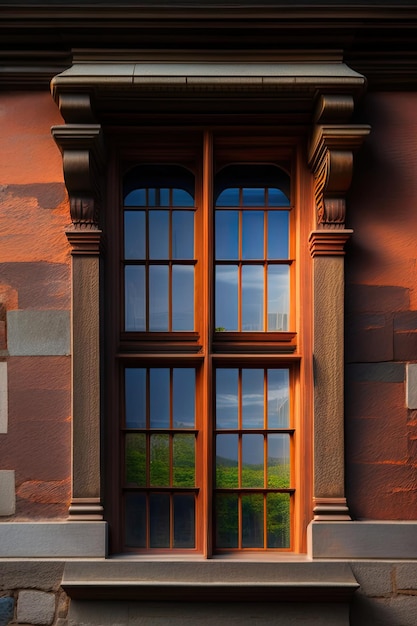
[(406, 577), (39, 285), (374, 440), (377, 298), (6, 610), (395, 611), (405, 345), (376, 372), (381, 491), (405, 321), (30, 574), (368, 338), (411, 385), (3, 398), (374, 399), (36, 607), (53, 539), (7, 492), (375, 579), (38, 333)]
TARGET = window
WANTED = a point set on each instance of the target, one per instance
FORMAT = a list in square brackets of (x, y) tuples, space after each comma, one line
[(205, 352)]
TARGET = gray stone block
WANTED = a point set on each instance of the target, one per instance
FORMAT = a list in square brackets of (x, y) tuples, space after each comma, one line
[(38, 333), (376, 372), (375, 579), (36, 607), (7, 492), (27, 574)]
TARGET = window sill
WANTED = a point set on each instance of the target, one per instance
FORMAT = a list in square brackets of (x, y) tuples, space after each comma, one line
[(209, 580)]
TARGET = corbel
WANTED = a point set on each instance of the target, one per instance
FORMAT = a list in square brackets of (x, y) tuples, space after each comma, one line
[(83, 161), (333, 143)]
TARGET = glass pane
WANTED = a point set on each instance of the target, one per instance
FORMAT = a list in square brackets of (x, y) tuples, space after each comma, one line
[(158, 234), (253, 521), (252, 398), (278, 461), (226, 297), (227, 235), (159, 520), (135, 520), (164, 197), (252, 298), (135, 311), (184, 521), (278, 398), (152, 197), (159, 397), (180, 197), (135, 235), (252, 235), (278, 297), (136, 459), (184, 461), (276, 197), (253, 461), (227, 461), (158, 297), (228, 197), (278, 234), (226, 520), (184, 397), (253, 196), (226, 398), (182, 235), (182, 297), (137, 197), (159, 466), (135, 397), (278, 520)]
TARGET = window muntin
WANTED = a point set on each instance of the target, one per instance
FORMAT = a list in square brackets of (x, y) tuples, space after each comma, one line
[(252, 264), (159, 260), (253, 439), (160, 468), (166, 506)]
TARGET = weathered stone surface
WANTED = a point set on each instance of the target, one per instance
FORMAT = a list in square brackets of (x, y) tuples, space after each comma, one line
[(406, 577), (36, 607), (377, 298), (6, 610), (376, 372), (41, 575), (7, 492), (399, 610), (37, 285), (375, 579), (36, 333), (369, 338)]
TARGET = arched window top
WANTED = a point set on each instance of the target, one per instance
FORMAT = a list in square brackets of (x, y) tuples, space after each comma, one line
[(252, 185), (158, 185)]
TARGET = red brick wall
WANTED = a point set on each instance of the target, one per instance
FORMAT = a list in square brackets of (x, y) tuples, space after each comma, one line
[(381, 306), (34, 275)]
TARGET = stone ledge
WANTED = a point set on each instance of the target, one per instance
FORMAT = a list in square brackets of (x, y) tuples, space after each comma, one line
[(53, 539), (209, 580), (362, 540)]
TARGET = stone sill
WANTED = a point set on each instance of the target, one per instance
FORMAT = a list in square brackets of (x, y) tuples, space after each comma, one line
[(209, 580)]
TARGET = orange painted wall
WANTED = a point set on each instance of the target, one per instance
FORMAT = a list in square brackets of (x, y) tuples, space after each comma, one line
[(34, 275), (381, 305)]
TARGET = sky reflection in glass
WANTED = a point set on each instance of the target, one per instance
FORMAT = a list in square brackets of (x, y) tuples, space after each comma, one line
[(227, 398), (252, 398), (183, 397), (252, 298)]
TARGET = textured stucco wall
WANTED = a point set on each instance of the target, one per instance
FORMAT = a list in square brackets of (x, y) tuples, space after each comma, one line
[(34, 307), (381, 307)]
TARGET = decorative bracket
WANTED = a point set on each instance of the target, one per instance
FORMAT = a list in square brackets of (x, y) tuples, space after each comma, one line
[(331, 158), (82, 148)]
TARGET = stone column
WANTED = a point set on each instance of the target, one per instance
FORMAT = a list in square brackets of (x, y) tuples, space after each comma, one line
[(82, 148), (331, 160)]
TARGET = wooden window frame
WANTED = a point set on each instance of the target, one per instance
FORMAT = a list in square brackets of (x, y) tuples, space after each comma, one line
[(324, 95), (205, 347)]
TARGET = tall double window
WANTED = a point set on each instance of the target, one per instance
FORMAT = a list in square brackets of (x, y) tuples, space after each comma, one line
[(207, 424)]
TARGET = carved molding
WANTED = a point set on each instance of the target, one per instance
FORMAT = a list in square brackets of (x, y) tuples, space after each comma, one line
[(331, 509), (85, 242), (85, 509), (332, 146), (329, 242), (82, 148)]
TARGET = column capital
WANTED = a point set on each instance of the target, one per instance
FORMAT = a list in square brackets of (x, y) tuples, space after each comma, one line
[(328, 242)]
